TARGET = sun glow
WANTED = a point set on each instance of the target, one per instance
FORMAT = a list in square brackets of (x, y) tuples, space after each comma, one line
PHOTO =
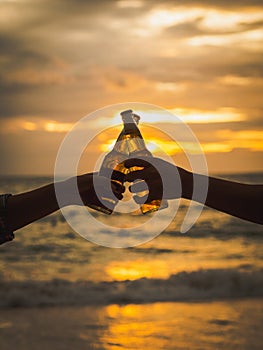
[(108, 146), (247, 139), (53, 126), (238, 81), (227, 20), (29, 126), (162, 18), (137, 269), (220, 115), (225, 141), (250, 40), (171, 115)]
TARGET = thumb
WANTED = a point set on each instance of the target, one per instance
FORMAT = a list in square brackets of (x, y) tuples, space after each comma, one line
[(140, 162)]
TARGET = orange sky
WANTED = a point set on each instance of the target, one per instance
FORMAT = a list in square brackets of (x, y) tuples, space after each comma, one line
[(62, 60)]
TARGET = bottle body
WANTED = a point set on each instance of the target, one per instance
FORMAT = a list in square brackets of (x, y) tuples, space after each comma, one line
[(130, 144), (113, 169), (137, 148)]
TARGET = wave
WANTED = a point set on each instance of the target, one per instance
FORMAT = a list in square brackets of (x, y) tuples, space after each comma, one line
[(201, 285)]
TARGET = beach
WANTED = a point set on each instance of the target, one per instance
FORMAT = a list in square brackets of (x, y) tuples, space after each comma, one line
[(231, 324), (199, 290)]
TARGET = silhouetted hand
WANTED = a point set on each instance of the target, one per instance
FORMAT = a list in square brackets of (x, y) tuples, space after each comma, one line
[(163, 180), (166, 181), (93, 188)]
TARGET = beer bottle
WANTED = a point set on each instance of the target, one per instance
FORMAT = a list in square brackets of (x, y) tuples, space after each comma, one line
[(113, 169), (136, 149)]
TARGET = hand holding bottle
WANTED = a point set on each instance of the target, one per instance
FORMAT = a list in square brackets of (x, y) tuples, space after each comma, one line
[(163, 180), (130, 144), (94, 188), (138, 149)]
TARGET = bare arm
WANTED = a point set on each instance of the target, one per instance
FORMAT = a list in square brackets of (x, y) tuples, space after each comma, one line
[(244, 201), (25, 208)]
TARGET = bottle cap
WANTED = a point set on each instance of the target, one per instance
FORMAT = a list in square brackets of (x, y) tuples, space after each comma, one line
[(136, 117), (128, 111), (127, 116)]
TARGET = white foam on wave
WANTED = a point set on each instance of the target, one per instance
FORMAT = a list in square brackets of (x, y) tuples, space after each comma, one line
[(185, 286)]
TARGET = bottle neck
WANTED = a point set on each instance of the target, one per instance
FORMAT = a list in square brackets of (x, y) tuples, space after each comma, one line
[(130, 140), (130, 126), (121, 144), (135, 141)]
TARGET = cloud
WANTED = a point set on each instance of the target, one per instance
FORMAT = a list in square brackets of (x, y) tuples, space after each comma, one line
[(201, 27), (32, 124), (207, 3), (62, 59)]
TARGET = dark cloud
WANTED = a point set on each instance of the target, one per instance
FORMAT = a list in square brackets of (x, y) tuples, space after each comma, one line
[(76, 44), (8, 44), (23, 70), (251, 26), (61, 59), (206, 66), (185, 30)]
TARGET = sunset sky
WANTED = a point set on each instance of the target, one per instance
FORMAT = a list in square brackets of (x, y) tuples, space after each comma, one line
[(63, 59)]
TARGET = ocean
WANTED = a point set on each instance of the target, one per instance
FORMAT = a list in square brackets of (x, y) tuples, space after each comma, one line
[(198, 290)]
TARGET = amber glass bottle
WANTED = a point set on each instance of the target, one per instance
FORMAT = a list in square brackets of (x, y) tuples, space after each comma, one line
[(136, 148), (112, 168)]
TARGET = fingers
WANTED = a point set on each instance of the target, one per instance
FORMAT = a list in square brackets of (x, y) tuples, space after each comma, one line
[(146, 192), (118, 195), (147, 198), (148, 179), (146, 173), (117, 187), (138, 174), (138, 186), (105, 187), (140, 199), (139, 162)]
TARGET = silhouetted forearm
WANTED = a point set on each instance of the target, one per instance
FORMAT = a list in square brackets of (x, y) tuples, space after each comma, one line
[(241, 200), (27, 207), (24, 208)]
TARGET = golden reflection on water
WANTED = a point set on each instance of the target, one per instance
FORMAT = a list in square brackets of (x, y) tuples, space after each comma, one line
[(131, 325), (227, 325), (224, 325)]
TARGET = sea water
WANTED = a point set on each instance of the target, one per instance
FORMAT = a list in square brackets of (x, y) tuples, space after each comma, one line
[(199, 290)]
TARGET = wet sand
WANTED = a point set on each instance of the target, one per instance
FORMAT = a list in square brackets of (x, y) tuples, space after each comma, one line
[(231, 324)]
